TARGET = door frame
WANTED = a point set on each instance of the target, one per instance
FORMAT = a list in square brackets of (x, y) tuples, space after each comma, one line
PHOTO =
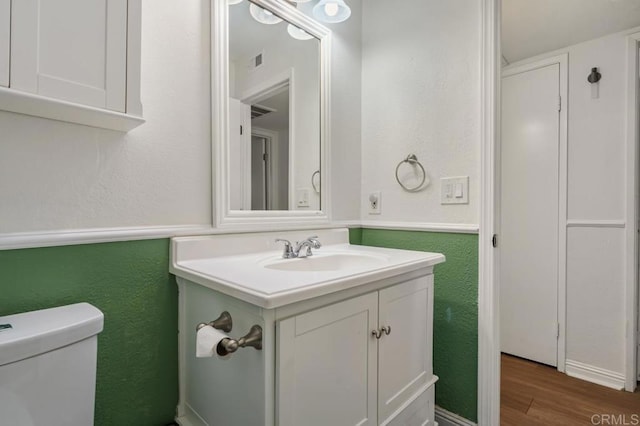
[(518, 68), (488, 284), (271, 138), (631, 211)]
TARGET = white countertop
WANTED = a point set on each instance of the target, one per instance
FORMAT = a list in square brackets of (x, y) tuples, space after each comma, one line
[(245, 276)]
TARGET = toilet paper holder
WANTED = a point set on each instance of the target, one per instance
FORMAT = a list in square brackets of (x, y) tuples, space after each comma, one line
[(252, 339), (224, 322), (228, 345)]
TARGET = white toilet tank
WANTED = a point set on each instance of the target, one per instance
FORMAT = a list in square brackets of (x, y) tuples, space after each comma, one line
[(48, 366)]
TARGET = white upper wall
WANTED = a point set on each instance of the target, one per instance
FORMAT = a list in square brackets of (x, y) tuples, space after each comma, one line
[(596, 191), (531, 28), (346, 114), (421, 95), (56, 176)]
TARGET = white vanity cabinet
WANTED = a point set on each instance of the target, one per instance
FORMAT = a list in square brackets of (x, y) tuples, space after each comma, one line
[(333, 369), (320, 363), (72, 60), (346, 333)]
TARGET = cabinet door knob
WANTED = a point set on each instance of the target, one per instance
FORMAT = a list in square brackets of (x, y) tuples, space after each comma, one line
[(382, 331)]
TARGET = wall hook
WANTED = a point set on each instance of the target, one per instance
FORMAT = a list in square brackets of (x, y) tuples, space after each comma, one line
[(595, 76)]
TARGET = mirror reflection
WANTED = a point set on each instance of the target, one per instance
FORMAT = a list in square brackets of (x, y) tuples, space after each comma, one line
[(274, 112)]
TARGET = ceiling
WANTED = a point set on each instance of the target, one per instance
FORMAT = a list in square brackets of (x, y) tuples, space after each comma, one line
[(533, 27), (277, 120)]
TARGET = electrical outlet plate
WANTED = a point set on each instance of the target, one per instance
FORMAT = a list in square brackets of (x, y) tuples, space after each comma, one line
[(302, 197), (374, 201), (454, 190)]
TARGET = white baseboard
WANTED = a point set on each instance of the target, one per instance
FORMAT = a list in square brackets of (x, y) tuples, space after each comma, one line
[(447, 418), (595, 375)]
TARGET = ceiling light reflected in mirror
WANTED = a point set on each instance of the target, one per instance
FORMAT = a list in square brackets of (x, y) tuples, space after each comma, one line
[(298, 33), (331, 11), (263, 16), (326, 11)]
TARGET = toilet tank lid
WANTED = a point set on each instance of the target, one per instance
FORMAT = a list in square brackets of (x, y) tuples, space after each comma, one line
[(33, 333)]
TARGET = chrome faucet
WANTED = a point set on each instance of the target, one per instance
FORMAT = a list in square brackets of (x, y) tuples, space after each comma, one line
[(291, 252)]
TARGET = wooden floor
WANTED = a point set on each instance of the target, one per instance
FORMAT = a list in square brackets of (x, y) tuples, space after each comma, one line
[(535, 394)]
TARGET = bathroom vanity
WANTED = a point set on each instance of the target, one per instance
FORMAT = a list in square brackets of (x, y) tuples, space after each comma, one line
[(346, 332)]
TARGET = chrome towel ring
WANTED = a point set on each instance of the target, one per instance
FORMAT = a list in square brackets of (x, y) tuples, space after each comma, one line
[(412, 160), (316, 188)]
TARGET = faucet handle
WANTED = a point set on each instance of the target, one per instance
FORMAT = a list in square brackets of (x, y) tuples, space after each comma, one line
[(288, 249), (314, 241)]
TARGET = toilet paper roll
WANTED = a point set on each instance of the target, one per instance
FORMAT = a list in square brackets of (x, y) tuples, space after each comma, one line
[(207, 338)]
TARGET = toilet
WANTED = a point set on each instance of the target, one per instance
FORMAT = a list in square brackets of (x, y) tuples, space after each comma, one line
[(48, 366)]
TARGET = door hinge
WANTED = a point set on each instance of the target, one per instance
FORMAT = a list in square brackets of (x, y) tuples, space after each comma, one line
[(559, 103), (264, 157), (241, 130), (494, 241), (558, 332)]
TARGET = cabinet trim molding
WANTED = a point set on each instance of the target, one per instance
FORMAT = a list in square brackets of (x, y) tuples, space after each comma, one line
[(55, 109)]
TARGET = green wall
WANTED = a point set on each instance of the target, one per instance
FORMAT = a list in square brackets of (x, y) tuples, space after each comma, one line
[(137, 378), (455, 327), (137, 381)]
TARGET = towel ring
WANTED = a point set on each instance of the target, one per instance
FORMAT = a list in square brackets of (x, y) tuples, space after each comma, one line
[(413, 160), (313, 182)]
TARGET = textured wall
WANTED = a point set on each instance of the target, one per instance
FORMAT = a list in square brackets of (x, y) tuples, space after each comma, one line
[(137, 378), (56, 175), (455, 326), (421, 95), (346, 115)]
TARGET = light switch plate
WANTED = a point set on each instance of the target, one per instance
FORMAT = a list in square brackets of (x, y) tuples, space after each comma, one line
[(454, 190)]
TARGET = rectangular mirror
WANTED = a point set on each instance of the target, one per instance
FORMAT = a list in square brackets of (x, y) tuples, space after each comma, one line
[(272, 97)]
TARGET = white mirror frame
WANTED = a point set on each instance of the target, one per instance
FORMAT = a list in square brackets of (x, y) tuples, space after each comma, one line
[(224, 217)]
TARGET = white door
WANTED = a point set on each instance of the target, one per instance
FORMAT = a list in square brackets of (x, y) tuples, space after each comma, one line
[(236, 156), (404, 354), (529, 214), (73, 50), (260, 187), (327, 365)]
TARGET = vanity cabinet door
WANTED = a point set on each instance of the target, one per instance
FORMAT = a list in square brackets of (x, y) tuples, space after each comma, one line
[(405, 354), (327, 365), (71, 50)]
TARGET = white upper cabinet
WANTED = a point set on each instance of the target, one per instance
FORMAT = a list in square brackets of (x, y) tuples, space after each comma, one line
[(5, 40), (69, 61)]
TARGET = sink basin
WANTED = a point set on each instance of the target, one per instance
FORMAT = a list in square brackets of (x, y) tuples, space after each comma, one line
[(250, 266), (327, 262)]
